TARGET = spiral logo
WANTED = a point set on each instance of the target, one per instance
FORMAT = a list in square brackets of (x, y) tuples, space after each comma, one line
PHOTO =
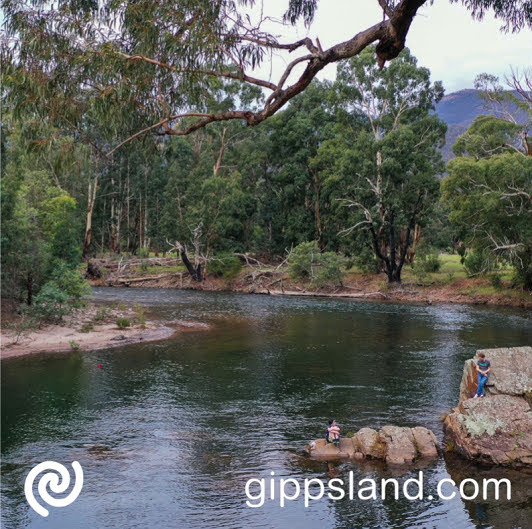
[(58, 483)]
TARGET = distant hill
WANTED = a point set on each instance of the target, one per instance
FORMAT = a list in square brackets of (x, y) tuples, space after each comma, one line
[(458, 110)]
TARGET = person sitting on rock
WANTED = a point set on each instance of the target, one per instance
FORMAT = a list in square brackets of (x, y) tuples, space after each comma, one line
[(333, 433), (483, 368)]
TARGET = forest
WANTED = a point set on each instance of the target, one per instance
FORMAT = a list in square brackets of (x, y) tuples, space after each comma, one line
[(348, 174)]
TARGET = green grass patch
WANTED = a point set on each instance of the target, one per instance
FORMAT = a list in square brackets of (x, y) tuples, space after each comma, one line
[(157, 270)]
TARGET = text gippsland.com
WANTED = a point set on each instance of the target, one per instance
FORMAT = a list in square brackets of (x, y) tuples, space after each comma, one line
[(282, 490)]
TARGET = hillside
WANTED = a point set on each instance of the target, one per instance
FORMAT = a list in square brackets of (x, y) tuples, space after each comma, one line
[(458, 110)]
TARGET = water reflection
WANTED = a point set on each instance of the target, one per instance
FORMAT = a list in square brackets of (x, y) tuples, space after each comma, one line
[(168, 433)]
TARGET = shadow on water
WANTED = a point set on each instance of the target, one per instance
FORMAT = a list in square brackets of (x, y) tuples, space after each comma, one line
[(168, 433)]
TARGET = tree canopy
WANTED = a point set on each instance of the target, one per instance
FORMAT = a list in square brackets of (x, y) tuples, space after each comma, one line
[(489, 187), (149, 63)]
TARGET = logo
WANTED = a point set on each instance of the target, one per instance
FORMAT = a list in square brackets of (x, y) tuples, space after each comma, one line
[(58, 483)]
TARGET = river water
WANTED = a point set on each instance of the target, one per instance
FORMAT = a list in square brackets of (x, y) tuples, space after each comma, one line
[(168, 433)]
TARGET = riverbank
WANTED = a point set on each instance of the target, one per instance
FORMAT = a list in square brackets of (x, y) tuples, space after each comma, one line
[(89, 329), (449, 285)]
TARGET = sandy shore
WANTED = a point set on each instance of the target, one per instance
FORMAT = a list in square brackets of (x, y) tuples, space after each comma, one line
[(103, 335)]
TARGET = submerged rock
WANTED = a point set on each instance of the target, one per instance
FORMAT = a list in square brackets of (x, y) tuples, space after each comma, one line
[(496, 429), (393, 444)]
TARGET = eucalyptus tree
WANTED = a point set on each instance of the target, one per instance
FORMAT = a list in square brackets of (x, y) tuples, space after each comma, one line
[(489, 187), (508, 123), (295, 137), (155, 57), (40, 222), (381, 166)]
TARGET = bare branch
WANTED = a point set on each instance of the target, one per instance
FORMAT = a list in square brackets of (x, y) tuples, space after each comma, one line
[(240, 76)]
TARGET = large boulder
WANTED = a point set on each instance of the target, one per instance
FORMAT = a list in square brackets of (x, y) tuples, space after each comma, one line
[(496, 429), (393, 444)]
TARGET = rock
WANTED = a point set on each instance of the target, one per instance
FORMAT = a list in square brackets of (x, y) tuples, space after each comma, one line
[(393, 444), (118, 338), (511, 373), (399, 442), (368, 443), (321, 449), (496, 429), (425, 442)]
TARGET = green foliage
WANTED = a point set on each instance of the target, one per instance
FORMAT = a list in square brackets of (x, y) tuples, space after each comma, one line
[(71, 282), (86, 327), (430, 263), (40, 222), (496, 281), (64, 292), (523, 269), (380, 178), (102, 314), (227, 266), (140, 316), (478, 262), (50, 304), (123, 323), (320, 268), (366, 261), (23, 326), (487, 201), (75, 346)]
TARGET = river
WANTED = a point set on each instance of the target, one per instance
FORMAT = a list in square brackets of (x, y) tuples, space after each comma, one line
[(168, 433)]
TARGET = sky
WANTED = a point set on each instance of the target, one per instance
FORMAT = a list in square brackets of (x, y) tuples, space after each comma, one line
[(444, 37)]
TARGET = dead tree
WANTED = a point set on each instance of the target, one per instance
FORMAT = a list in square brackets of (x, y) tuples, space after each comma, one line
[(195, 270)]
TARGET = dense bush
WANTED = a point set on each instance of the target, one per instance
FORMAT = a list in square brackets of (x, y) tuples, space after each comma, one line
[(523, 269), (478, 262), (64, 292), (321, 268), (123, 323), (225, 265), (366, 261), (430, 263), (50, 304)]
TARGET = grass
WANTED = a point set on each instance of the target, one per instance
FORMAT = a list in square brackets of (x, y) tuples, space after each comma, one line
[(156, 270)]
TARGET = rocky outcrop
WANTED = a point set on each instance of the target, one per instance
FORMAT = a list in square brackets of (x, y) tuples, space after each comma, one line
[(496, 429), (393, 444)]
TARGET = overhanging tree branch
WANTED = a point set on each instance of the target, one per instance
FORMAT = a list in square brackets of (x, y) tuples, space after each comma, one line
[(390, 34)]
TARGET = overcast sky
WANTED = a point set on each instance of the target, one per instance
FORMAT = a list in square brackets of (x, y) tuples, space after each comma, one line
[(443, 37)]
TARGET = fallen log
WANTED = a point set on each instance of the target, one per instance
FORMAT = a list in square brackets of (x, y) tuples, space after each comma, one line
[(129, 280)]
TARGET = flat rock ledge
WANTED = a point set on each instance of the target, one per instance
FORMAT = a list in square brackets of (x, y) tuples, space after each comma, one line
[(395, 445), (497, 429)]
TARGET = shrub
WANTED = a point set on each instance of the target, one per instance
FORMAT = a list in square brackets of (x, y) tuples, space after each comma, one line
[(366, 261), (478, 262), (227, 266), (50, 304), (307, 262), (75, 346), (430, 263), (87, 327), (495, 280), (70, 281), (22, 327), (64, 292), (523, 268), (139, 314), (102, 314), (419, 274), (123, 323)]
